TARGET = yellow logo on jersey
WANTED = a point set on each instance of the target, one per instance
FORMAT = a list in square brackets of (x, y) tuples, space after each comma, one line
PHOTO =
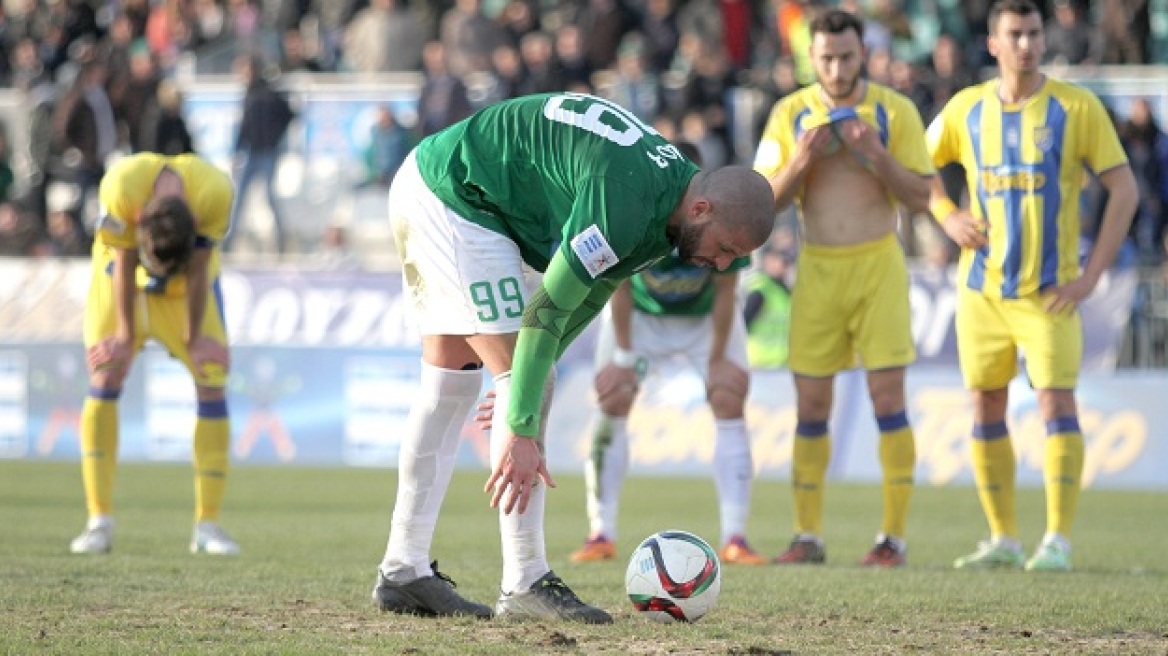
[(998, 183)]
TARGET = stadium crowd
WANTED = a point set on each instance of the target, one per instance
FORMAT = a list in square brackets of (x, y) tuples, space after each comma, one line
[(97, 78)]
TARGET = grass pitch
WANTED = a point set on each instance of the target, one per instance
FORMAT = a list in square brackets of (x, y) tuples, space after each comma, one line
[(312, 538)]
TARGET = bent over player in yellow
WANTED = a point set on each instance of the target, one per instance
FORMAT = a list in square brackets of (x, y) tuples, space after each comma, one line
[(849, 152), (1026, 142), (155, 275)]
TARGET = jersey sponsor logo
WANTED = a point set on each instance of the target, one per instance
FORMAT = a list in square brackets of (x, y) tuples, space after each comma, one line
[(995, 183), (594, 252), (111, 224)]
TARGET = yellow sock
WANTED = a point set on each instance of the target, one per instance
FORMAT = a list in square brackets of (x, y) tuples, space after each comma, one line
[(1063, 471), (99, 450), (212, 440), (994, 471), (898, 459), (809, 460)]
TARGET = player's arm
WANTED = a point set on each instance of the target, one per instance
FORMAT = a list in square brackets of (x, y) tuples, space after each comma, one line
[(1122, 198), (966, 230), (787, 181), (722, 314), (909, 187), (621, 306), (550, 322)]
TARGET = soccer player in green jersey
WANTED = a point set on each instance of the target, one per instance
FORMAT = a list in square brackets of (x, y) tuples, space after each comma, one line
[(579, 189), (672, 310)]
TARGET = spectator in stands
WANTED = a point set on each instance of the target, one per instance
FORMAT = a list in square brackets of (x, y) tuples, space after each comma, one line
[(542, 72), (470, 37), (1147, 150), (506, 78), (332, 17), (1070, 39), (164, 130), (389, 143), (7, 177), (661, 32), (633, 87), (383, 37), (1126, 30), (131, 94), (84, 131), (64, 236), (18, 231), (905, 78), (265, 120), (335, 253), (569, 52), (294, 59), (518, 18), (603, 23), (948, 72), (443, 98)]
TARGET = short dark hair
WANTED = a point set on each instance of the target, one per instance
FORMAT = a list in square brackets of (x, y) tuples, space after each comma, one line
[(167, 234), (837, 21), (1019, 7)]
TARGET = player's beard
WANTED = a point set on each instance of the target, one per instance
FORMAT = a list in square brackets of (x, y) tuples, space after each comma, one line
[(849, 87), (688, 238)]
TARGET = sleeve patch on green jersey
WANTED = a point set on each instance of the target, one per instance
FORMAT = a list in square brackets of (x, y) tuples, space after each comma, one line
[(594, 252)]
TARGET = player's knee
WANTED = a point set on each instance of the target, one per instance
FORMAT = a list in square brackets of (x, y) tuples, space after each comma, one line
[(110, 379), (619, 403), (725, 403)]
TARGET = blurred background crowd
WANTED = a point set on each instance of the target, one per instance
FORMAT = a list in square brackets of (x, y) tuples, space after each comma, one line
[(94, 79)]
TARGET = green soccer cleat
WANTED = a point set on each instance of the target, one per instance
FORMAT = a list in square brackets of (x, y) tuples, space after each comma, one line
[(1050, 557), (991, 555)]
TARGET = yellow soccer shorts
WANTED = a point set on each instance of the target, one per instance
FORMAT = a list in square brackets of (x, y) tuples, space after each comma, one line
[(160, 316), (991, 332), (849, 302)]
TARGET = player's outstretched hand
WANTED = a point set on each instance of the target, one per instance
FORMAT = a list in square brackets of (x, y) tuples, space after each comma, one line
[(109, 353), (204, 351), (966, 230), (517, 473)]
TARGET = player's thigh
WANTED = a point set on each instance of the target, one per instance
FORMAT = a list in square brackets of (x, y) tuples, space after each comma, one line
[(883, 318), (1051, 343), (985, 343), (819, 343), (168, 320), (462, 279)]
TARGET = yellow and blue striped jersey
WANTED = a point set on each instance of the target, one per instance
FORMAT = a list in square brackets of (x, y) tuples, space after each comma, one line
[(892, 114), (1025, 165)]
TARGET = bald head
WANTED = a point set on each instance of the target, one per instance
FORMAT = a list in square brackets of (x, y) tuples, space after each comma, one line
[(741, 200)]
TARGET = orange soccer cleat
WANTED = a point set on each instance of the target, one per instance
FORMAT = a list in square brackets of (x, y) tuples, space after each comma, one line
[(594, 549), (888, 552), (738, 552), (807, 551)]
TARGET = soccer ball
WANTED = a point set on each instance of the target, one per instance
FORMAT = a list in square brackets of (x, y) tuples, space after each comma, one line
[(673, 576)]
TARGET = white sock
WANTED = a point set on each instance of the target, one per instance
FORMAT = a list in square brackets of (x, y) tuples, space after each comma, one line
[(1009, 543), (524, 551), (604, 474), (1057, 540), (425, 464), (733, 473), (99, 521)]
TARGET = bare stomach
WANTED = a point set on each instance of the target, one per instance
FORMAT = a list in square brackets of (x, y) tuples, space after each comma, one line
[(844, 204)]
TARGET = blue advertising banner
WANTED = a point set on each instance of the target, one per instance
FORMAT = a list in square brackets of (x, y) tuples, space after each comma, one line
[(325, 366)]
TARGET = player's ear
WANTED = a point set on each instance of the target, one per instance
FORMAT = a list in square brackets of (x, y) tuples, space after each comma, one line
[(701, 207)]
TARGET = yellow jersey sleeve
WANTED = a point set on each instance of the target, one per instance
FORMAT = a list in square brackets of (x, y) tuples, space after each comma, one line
[(778, 139), (942, 138), (906, 139), (124, 190), (1103, 150), (209, 193)]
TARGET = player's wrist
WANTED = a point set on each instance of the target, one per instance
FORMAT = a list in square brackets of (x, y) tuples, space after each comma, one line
[(942, 208), (624, 358)]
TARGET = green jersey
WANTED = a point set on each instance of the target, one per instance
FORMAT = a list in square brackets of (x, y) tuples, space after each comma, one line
[(672, 287), (562, 171)]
